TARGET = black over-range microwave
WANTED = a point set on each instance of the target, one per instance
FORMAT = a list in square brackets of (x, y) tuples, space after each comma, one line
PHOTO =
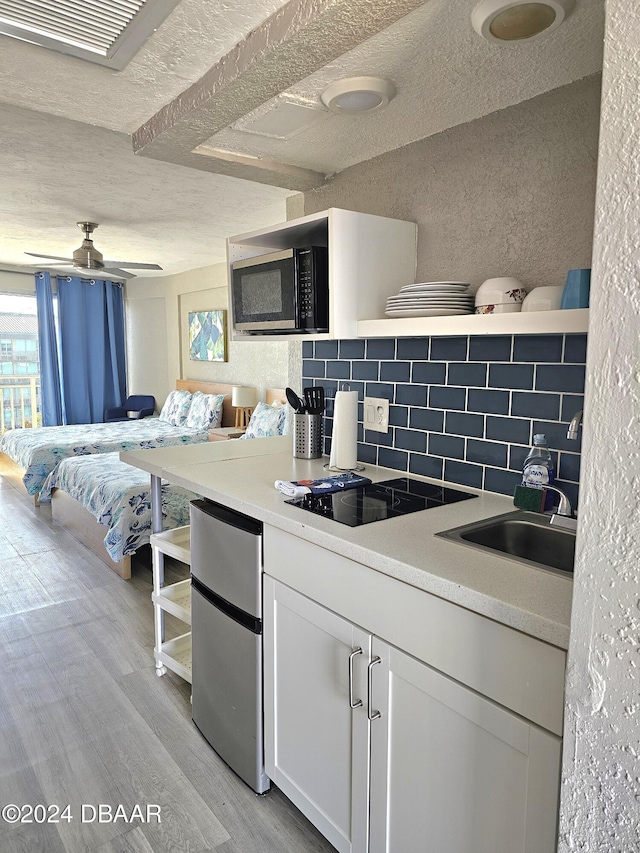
[(283, 292)]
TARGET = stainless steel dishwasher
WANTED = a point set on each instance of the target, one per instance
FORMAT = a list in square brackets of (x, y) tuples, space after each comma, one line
[(226, 635)]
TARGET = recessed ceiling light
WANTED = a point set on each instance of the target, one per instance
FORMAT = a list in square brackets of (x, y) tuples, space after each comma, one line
[(358, 95), (518, 20)]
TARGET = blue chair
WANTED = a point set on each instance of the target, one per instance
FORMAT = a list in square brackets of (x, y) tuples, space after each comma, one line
[(140, 404)]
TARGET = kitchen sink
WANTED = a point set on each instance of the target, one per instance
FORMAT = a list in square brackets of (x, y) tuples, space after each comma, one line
[(527, 537)]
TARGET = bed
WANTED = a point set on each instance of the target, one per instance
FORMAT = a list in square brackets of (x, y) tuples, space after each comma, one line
[(37, 451), (102, 489), (106, 504)]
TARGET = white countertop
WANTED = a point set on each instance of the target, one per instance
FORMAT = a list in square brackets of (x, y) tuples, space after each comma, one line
[(241, 474)]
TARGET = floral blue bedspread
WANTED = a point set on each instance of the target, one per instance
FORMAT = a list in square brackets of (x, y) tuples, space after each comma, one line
[(39, 450), (119, 496)]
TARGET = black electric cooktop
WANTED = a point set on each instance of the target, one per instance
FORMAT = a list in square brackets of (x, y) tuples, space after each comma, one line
[(376, 501)]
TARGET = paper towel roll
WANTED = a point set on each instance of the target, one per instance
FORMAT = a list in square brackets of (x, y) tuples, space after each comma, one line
[(344, 439)]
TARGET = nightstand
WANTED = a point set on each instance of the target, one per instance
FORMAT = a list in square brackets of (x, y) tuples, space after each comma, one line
[(223, 433)]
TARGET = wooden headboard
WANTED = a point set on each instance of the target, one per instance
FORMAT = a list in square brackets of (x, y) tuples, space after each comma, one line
[(228, 412), (275, 395), (271, 395)]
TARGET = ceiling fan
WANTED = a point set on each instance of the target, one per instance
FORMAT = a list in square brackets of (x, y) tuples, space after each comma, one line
[(89, 260)]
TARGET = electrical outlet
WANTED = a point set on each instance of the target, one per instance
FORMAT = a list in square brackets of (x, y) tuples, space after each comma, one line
[(376, 414)]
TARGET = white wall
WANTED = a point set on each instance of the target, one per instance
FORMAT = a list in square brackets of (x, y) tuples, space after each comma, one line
[(147, 357), (508, 194), (157, 336), (600, 808), (15, 282)]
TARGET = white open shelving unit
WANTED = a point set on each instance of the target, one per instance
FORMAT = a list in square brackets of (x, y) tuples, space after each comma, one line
[(175, 599), (570, 321), (370, 257)]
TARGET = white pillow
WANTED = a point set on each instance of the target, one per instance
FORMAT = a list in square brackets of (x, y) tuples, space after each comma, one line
[(176, 408), (266, 420), (205, 411)]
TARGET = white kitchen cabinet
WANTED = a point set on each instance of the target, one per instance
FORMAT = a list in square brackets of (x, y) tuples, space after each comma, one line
[(456, 745), (316, 745), (370, 258), (451, 770)]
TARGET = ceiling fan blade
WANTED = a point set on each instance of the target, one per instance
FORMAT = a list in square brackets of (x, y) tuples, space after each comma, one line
[(131, 266), (50, 257), (119, 273)]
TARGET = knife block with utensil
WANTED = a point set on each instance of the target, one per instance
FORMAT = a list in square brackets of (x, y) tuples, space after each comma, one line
[(307, 427)]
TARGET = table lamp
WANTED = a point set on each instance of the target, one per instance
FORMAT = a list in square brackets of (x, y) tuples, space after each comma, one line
[(243, 399)]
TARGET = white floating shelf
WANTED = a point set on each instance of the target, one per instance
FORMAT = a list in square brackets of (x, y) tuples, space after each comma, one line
[(176, 656), (530, 323), (175, 543), (175, 599)]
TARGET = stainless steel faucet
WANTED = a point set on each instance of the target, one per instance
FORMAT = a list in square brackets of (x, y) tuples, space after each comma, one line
[(563, 515), (572, 432), (564, 506)]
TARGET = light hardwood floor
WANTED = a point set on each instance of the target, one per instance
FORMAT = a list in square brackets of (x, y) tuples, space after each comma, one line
[(85, 720)]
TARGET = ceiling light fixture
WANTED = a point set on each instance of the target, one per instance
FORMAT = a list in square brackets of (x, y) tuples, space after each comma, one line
[(355, 95), (518, 20)]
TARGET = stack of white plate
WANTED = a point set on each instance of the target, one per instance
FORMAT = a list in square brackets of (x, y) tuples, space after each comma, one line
[(431, 299)]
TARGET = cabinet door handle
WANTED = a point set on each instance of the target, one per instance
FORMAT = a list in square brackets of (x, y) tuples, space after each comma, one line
[(358, 702), (373, 715)]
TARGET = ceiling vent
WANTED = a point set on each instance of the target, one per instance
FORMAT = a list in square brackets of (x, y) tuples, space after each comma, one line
[(108, 32), (283, 119)]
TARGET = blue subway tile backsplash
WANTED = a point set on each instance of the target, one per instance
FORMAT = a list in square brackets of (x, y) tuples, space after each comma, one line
[(560, 377), (395, 371), (352, 349), (326, 349), (511, 376), (449, 349), (488, 401), (460, 423), (380, 348), (535, 405), (575, 349), (429, 373), (447, 398), (538, 348), (410, 349), (462, 409), (467, 374), (490, 348)]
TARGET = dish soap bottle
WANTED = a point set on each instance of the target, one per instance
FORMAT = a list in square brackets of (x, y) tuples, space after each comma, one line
[(538, 470)]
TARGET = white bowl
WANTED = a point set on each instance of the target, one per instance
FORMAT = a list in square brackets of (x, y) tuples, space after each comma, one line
[(497, 291), (543, 299), (500, 308)]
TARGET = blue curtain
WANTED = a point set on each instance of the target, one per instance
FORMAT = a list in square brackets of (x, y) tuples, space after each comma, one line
[(91, 319), (52, 413)]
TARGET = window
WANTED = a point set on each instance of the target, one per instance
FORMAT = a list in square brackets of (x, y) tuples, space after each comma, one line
[(19, 364)]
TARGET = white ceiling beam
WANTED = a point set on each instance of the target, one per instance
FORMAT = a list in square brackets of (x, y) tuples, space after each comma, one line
[(297, 40)]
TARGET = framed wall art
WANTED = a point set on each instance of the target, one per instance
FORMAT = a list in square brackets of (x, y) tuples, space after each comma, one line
[(208, 335)]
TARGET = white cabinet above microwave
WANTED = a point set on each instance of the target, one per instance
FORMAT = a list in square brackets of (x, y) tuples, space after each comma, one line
[(368, 259)]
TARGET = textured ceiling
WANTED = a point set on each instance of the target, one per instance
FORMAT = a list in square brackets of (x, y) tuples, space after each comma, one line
[(444, 73), (60, 160), (55, 172)]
